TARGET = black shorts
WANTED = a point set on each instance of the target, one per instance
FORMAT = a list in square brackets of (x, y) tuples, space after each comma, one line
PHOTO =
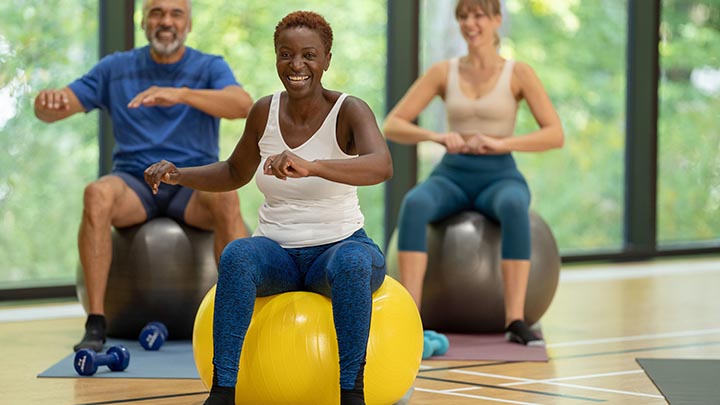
[(170, 201)]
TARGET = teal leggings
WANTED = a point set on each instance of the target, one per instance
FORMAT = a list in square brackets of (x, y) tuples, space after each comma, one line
[(489, 184)]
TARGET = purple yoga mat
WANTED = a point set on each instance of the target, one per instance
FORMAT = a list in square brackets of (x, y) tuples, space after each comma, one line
[(490, 347)]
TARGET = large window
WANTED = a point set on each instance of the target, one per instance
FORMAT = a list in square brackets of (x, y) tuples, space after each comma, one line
[(242, 32), (43, 168), (577, 48), (578, 51), (689, 123)]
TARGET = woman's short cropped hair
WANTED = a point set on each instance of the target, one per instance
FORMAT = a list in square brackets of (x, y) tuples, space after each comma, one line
[(307, 19)]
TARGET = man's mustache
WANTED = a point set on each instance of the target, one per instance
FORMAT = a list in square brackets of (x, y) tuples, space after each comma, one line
[(165, 29)]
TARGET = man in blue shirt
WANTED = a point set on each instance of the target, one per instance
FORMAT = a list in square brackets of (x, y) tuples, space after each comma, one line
[(166, 100)]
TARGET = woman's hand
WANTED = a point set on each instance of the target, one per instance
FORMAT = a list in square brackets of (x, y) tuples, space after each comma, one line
[(480, 144), (454, 143), (286, 164), (162, 171)]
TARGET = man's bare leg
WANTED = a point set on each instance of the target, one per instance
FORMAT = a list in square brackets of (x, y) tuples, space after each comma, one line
[(219, 212), (106, 202)]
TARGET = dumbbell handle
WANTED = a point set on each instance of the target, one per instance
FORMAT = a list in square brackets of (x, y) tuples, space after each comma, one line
[(87, 363)]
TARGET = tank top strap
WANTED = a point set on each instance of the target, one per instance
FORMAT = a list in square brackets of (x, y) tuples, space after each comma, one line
[(453, 85), (275, 104), (336, 108), (273, 120), (506, 76), (328, 126)]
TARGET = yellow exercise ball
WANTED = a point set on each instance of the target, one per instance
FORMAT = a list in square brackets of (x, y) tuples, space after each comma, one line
[(290, 354)]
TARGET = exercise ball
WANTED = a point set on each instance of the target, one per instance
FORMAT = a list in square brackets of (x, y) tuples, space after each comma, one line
[(160, 271), (463, 287), (290, 353)]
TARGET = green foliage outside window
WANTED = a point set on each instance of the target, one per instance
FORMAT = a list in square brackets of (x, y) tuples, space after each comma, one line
[(43, 168), (576, 47), (689, 122)]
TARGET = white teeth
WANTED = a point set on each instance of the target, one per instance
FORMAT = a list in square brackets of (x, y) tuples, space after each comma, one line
[(297, 78)]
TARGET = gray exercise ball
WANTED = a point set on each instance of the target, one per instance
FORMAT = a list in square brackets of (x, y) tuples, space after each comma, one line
[(160, 271), (463, 288)]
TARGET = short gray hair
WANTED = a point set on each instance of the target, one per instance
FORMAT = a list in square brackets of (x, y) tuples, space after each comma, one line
[(146, 5)]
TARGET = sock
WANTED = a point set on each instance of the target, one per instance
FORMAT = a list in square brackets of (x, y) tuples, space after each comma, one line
[(96, 322), (352, 397), (518, 331), (94, 337), (355, 396), (221, 396)]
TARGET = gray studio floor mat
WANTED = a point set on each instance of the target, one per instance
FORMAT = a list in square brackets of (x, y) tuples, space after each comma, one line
[(685, 381), (173, 360)]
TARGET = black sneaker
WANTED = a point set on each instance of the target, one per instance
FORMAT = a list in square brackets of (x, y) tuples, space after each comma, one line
[(94, 339), (519, 332)]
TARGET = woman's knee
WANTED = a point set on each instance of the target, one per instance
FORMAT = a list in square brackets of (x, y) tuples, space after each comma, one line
[(240, 253), (352, 259), (510, 202), (513, 207), (416, 202)]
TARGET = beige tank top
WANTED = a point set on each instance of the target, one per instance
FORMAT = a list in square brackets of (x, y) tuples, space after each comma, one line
[(493, 113)]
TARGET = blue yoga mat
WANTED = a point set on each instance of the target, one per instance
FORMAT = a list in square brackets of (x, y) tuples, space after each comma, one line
[(173, 360)]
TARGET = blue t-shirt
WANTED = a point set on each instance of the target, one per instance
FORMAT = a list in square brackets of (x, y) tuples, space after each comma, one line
[(181, 134)]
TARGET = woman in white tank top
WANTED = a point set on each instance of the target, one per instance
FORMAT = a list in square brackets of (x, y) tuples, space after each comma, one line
[(481, 91), (310, 148)]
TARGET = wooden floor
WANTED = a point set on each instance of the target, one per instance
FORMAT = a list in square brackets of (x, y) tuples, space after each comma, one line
[(601, 320)]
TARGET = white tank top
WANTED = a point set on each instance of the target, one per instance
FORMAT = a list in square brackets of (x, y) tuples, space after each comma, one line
[(308, 211), (492, 114)]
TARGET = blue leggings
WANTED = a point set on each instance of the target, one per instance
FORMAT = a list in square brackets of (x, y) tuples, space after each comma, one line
[(489, 184), (348, 272)]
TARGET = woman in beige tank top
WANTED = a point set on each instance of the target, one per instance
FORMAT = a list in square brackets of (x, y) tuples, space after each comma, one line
[(481, 91)]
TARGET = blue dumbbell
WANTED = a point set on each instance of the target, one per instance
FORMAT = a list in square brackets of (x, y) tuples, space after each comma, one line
[(434, 344), (153, 335), (87, 361)]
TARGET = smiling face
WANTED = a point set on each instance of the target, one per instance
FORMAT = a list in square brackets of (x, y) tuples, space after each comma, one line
[(166, 24), (301, 60), (478, 26)]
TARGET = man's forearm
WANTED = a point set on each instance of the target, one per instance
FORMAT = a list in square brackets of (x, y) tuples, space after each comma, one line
[(231, 102)]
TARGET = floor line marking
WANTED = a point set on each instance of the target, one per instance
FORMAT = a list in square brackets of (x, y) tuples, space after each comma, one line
[(618, 339), (638, 350), (456, 394), (580, 377), (499, 387), (590, 388), (525, 381)]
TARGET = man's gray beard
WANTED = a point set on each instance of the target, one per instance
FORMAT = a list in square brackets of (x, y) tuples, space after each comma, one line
[(165, 49)]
